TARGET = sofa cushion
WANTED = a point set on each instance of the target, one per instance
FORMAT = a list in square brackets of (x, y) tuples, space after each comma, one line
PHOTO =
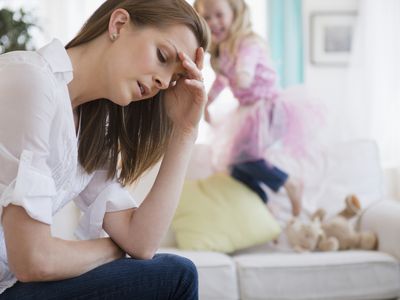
[(217, 274), (220, 214), (383, 218), (343, 275)]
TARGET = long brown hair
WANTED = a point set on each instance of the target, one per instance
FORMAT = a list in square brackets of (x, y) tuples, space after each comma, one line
[(139, 133)]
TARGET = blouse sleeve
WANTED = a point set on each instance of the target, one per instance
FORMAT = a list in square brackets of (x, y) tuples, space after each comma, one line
[(100, 196), (26, 114)]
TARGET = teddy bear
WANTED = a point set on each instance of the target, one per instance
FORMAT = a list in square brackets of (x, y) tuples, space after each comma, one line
[(332, 234), (309, 236)]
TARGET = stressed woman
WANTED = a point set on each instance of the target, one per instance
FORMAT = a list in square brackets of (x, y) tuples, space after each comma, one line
[(81, 122)]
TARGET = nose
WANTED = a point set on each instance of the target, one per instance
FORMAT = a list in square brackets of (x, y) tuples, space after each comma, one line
[(211, 21), (161, 82)]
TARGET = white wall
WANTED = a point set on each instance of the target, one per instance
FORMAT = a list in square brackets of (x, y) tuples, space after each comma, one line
[(326, 83), (329, 83), (57, 18)]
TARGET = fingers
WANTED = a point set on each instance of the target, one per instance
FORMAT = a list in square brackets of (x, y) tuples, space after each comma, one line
[(200, 58), (195, 83), (193, 69), (207, 117)]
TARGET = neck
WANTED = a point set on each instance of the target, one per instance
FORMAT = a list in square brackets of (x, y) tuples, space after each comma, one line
[(87, 72)]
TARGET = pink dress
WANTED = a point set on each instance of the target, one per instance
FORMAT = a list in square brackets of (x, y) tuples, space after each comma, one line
[(265, 115)]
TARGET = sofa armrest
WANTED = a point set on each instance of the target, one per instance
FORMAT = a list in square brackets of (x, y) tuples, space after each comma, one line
[(383, 218)]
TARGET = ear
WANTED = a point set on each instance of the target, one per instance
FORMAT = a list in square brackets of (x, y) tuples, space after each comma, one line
[(119, 19)]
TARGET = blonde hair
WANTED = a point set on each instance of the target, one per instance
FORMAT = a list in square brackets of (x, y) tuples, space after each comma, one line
[(240, 29), (139, 133)]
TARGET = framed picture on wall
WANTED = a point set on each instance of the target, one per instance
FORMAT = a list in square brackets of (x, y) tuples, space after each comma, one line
[(331, 35)]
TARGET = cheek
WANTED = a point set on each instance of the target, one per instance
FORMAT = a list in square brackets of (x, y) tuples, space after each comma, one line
[(142, 62), (118, 65), (229, 20)]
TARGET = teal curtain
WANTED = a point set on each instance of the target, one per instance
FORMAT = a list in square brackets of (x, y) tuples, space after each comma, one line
[(285, 25)]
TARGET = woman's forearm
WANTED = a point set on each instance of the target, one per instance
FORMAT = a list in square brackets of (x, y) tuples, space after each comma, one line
[(151, 220), (34, 255), (68, 259)]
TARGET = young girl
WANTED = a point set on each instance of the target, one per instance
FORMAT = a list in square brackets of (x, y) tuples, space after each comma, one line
[(240, 60), (128, 86)]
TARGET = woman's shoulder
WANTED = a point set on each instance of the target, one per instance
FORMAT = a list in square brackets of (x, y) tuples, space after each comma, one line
[(29, 60), (27, 70)]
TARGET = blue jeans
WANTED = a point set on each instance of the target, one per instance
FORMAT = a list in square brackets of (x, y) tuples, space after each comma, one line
[(253, 173), (166, 276)]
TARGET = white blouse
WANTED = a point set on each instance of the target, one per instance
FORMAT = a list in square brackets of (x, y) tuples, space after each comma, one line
[(39, 169)]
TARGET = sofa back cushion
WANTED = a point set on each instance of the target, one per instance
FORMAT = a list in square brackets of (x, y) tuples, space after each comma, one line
[(333, 172)]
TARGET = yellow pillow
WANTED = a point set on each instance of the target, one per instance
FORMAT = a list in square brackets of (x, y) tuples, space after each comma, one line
[(221, 214)]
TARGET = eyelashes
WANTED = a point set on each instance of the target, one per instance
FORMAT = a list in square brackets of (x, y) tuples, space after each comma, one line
[(161, 56), (164, 59)]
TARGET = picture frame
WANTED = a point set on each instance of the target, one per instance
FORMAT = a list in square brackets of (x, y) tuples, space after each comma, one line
[(331, 35)]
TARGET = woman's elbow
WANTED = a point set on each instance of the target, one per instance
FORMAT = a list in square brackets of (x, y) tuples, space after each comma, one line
[(143, 254), (32, 269)]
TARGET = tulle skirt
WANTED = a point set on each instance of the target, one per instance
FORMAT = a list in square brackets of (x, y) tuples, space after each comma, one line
[(291, 120)]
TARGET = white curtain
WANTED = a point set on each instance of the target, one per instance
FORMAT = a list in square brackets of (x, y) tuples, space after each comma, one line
[(373, 109)]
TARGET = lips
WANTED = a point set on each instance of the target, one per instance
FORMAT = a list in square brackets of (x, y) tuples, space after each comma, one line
[(217, 31), (143, 89), (218, 34)]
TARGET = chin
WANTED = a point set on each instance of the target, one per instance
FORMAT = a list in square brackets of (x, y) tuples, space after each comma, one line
[(122, 100), (219, 40)]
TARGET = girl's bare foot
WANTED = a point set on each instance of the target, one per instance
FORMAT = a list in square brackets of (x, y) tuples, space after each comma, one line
[(294, 190)]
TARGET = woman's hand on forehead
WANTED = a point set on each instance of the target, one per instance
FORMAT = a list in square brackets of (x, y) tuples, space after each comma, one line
[(193, 68), (186, 100)]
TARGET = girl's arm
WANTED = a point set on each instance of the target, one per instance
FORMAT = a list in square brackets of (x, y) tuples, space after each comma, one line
[(218, 85), (246, 62), (34, 255)]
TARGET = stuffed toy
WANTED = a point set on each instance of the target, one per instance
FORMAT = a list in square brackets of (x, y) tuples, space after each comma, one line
[(336, 233), (306, 237)]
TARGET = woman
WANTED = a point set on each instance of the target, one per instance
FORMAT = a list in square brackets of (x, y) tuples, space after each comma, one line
[(66, 118)]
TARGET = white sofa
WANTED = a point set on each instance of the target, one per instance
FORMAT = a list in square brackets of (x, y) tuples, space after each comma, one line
[(274, 271)]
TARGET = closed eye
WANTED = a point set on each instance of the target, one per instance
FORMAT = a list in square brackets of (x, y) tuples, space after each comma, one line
[(161, 57)]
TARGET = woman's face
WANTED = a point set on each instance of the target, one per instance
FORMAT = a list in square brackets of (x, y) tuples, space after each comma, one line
[(143, 61), (219, 17)]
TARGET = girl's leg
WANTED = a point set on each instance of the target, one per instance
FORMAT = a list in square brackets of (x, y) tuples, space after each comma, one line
[(166, 276), (250, 182), (264, 172), (274, 178), (294, 190)]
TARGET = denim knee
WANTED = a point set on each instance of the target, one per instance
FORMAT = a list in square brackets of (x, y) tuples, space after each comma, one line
[(187, 285)]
